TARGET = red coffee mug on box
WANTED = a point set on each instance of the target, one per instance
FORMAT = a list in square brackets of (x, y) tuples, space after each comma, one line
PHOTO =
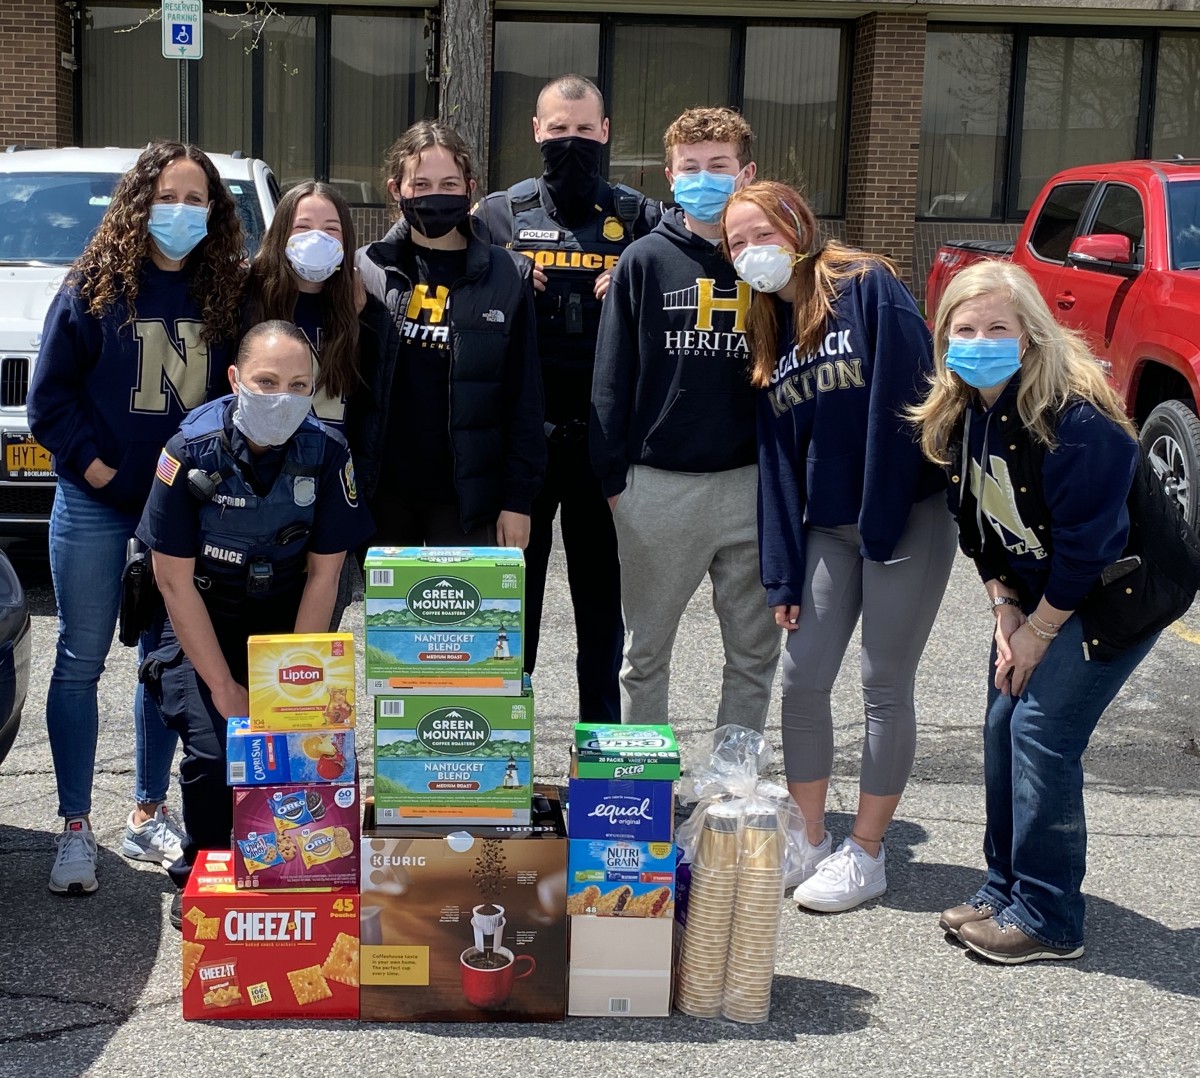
[(490, 988)]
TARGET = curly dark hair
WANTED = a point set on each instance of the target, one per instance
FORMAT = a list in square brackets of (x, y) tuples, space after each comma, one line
[(273, 290), (110, 267)]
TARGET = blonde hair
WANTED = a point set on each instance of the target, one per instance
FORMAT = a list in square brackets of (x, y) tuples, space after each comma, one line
[(1056, 366), (818, 276)]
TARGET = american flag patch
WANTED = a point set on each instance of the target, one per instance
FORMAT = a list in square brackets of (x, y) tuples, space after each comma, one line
[(168, 468)]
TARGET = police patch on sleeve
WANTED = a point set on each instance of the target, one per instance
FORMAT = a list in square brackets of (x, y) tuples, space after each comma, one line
[(167, 468), (349, 486)]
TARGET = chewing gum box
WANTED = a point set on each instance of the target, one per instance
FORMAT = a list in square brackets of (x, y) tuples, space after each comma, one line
[(296, 836), (255, 759), (301, 681), (621, 878), (444, 620), (266, 955), (637, 810), (624, 752), (470, 755)]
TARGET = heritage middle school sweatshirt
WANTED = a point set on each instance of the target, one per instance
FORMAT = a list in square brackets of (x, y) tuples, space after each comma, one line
[(104, 389), (834, 447), (671, 386)]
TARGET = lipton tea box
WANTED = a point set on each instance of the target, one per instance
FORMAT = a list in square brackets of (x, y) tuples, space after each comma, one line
[(444, 620), (255, 954), (463, 755), (301, 681)]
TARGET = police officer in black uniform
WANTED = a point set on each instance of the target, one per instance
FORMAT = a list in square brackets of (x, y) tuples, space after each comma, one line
[(252, 510), (574, 226)]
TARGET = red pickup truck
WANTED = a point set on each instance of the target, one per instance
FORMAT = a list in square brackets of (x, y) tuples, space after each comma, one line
[(1115, 252)]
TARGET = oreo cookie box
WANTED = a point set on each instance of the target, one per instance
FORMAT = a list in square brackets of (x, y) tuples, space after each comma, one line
[(453, 757), (624, 752), (444, 620)]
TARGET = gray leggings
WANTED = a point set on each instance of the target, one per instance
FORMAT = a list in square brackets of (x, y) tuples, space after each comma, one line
[(898, 603)]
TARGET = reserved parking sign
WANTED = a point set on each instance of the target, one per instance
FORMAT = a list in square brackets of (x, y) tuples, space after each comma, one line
[(183, 29)]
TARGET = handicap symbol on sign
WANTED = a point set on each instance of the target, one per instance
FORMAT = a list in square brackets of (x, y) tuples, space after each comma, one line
[(181, 33)]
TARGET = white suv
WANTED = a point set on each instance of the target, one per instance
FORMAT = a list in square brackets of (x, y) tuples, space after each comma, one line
[(50, 204)]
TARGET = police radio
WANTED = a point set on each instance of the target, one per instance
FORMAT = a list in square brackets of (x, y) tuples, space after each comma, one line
[(203, 485)]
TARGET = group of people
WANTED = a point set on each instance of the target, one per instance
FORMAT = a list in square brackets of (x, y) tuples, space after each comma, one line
[(705, 387)]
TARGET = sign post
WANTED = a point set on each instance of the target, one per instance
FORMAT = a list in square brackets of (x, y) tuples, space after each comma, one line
[(183, 40)]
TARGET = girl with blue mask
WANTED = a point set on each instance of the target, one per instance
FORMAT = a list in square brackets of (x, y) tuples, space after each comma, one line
[(140, 333)]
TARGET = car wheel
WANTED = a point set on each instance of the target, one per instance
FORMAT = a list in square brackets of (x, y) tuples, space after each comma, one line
[(1171, 439)]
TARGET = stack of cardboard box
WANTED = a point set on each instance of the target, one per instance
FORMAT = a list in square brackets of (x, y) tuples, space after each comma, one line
[(463, 862), (621, 869), (271, 926)]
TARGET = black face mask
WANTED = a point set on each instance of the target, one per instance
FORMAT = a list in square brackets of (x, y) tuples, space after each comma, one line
[(435, 215), (571, 169)]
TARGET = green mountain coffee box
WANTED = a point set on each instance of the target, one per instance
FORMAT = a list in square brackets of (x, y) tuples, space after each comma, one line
[(624, 752), (453, 758), (444, 620)]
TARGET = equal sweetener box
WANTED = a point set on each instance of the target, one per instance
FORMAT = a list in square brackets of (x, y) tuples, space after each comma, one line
[(301, 681), (444, 620), (256, 759), (624, 752), (255, 954), (638, 810), (471, 756), (296, 836), (620, 878)]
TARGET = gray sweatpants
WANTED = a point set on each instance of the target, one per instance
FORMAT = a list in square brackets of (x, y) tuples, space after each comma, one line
[(672, 529), (898, 603)]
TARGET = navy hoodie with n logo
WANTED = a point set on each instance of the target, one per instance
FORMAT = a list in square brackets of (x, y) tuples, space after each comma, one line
[(115, 391)]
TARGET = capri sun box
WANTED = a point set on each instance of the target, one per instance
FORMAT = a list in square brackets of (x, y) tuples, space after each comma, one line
[(444, 620), (453, 759)]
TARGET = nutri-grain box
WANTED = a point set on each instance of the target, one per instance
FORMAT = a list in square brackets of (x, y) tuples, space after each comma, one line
[(301, 681), (444, 620), (611, 878), (266, 954), (296, 836), (465, 754)]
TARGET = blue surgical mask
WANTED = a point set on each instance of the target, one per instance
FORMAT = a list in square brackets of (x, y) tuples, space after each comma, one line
[(177, 228), (702, 195), (983, 362)]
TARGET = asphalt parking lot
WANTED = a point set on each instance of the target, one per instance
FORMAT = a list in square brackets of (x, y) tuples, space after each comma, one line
[(91, 986)]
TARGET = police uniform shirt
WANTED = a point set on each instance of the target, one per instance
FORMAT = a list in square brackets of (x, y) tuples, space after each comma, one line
[(171, 521), (420, 411)]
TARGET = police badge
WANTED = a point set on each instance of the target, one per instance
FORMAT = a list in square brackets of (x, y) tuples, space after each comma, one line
[(304, 490)]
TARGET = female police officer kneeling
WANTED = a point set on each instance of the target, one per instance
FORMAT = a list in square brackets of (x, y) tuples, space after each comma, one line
[(253, 508)]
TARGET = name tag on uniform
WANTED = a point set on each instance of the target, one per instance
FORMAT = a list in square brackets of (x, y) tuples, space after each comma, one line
[(539, 235)]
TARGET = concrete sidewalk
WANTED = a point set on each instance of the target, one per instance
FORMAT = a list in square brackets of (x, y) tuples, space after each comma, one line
[(91, 986)]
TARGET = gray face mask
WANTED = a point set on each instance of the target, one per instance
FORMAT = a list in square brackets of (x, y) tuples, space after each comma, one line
[(269, 419)]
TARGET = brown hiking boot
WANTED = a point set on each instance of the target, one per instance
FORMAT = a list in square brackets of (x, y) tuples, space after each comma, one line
[(954, 918), (1009, 945)]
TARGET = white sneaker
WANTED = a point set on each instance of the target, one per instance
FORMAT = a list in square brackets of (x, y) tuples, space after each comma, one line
[(806, 858), (158, 839), (74, 871), (844, 880)]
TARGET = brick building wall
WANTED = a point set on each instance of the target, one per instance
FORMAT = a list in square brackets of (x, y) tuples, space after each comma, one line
[(35, 89), (885, 126)]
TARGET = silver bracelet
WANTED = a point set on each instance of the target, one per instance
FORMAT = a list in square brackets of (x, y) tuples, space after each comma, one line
[(1004, 600)]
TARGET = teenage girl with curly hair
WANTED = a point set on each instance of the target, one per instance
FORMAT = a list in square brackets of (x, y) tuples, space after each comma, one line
[(139, 334)]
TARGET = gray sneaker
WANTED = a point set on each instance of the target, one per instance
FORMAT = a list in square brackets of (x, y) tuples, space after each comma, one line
[(74, 871), (158, 840)]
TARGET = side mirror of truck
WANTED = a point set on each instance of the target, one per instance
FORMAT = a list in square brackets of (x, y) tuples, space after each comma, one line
[(1105, 253)]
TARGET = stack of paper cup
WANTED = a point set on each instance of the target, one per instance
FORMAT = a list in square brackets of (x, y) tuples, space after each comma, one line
[(755, 929), (702, 958)]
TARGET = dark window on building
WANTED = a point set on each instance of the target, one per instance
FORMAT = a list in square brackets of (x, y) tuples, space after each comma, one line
[(1056, 224), (789, 78), (1177, 96), (130, 92)]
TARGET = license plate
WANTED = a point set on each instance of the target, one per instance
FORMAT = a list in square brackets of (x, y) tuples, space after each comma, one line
[(25, 459)]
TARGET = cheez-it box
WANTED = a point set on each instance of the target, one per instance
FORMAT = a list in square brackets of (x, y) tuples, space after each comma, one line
[(262, 955), (301, 681)]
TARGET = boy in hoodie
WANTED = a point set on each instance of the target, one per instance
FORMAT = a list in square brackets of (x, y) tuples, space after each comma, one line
[(672, 435)]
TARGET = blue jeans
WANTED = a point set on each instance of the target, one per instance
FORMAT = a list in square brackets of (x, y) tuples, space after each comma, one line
[(1036, 838), (87, 553)]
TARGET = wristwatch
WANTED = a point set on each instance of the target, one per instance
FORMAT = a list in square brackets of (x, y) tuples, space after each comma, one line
[(1004, 600)]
